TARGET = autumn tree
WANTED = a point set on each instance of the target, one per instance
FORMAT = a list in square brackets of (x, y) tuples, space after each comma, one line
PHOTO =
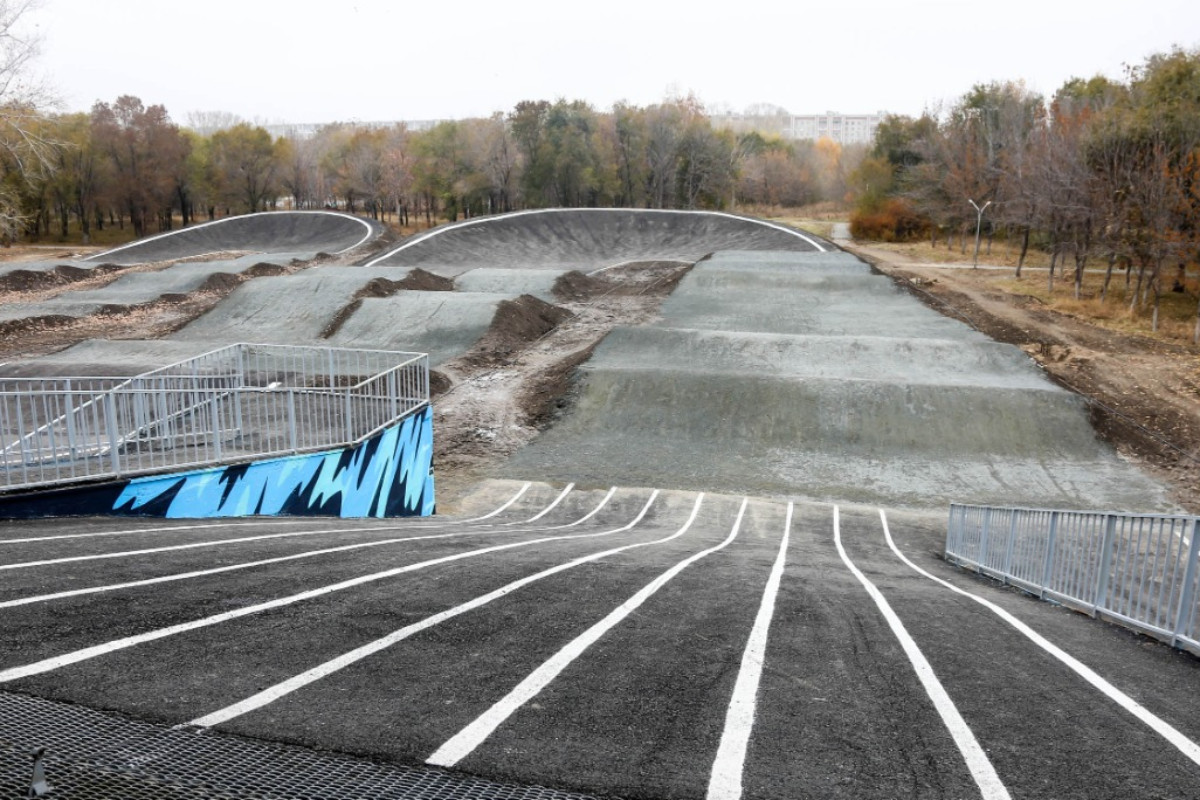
[(245, 166), (144, 149)]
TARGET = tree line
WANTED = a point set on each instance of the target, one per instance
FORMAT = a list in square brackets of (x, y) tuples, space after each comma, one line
[(127, 163), (1104, 172)]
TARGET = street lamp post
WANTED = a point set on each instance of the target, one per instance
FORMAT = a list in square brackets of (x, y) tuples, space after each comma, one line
[(978, 225)]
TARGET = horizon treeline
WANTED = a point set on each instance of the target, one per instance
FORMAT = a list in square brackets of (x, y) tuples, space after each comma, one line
[(126, 163), (1102, 173)]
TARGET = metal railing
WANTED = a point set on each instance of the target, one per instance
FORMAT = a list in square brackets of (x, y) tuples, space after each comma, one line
[(238, 403), (1137, 570)]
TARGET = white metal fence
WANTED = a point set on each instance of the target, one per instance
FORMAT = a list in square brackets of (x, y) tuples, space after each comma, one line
[(1133, 569), (241, 402)]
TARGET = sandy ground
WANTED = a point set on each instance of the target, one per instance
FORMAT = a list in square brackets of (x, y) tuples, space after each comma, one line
[(1144, 393)]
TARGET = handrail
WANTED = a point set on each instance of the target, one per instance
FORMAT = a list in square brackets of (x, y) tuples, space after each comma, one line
[(1137, 570), (236, 403)]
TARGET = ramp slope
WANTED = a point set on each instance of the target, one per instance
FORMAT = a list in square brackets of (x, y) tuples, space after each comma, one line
[(299, 232), (808, 375), (587, 239)]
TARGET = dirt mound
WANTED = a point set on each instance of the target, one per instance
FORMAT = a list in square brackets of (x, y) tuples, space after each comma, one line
[(264, 269), (421, 281), (576, 286), (30, 280), (13, 327), (516, 324), (218, 282), (635, 278)]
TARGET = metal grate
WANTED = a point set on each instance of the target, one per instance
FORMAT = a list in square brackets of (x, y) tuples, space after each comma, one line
[(96, 756)]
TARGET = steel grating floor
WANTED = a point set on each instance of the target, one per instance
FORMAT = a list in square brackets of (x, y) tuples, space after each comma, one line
[(95, 756)]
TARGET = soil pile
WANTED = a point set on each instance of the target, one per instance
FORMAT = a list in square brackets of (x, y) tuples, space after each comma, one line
[(657, 278), (517, 324)]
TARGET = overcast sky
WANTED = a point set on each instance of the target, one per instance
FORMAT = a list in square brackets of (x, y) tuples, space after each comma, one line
[(343, 60)]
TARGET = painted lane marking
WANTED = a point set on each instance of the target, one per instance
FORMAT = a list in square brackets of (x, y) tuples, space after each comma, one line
[(513, 499), (255, 524), (176, 547), (482, 220), (23, 601), (550, 507), (133, 531), (603, 502), (725, 781), (263, 562), (74, 657), (465, 741), (284, 688), (1160, 726), (990, 785)]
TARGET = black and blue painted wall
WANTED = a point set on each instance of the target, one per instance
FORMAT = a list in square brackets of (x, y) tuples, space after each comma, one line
[(388, 475)]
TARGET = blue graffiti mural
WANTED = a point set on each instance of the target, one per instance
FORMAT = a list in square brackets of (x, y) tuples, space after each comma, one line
[(388, 475)]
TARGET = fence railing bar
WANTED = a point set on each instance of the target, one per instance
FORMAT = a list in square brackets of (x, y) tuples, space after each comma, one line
[(1138, 570)]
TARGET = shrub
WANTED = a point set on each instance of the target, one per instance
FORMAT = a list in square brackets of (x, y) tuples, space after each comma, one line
[(894, 221)]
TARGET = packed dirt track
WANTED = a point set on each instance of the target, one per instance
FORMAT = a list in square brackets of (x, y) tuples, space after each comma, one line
[(692, 480)]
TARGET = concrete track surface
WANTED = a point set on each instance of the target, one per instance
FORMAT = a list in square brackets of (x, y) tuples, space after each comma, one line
[(293, 232), (726, 635), (804, 374), (587, 239), (636, 644)]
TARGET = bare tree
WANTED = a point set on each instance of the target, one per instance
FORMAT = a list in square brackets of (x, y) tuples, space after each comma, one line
[(27, 150)]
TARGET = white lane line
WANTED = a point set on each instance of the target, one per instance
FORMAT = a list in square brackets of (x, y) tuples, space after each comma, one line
[(263, 562), (264, 523), (175, 547), (133, 531), (112, 587), (1160, 726), (725, 782), (465, 741), (990, 785), (284, 688), (603, 502), (515, 498), (550, 507), (74, 657)]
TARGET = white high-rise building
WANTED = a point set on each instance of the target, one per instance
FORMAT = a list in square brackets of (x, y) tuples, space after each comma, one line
[(841, 128)]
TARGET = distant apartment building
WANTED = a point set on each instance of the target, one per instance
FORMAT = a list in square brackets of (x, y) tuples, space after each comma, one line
[(841, 128), (306, 130)]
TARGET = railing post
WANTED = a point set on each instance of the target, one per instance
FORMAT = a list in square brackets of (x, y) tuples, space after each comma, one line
[(110, 424), (214, 403), (1106, 554), (291, 414), (72, 434), (1010, 545), (1048, 570), (984, 531), (1188, 596), (954, 531)]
